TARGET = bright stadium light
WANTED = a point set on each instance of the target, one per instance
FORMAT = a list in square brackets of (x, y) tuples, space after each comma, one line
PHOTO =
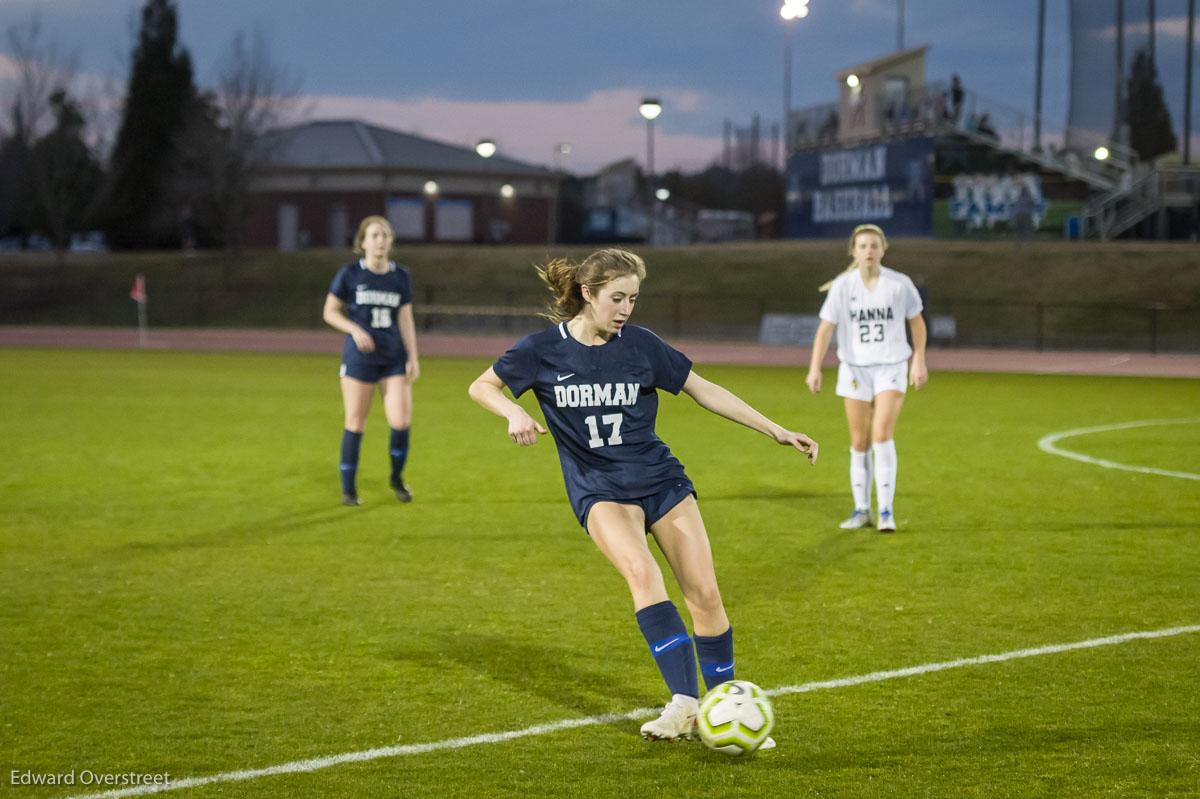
[(507, 191), (852, 81), (431, 187), (650, 109), (794, 9), (1101, 153), (663, 194), (486, 148)]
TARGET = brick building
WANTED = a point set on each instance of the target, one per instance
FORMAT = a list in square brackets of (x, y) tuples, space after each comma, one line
[(321, 178)]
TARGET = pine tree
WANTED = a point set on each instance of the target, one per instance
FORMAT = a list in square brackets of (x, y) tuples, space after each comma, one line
[(65, 176), (1150, 132), (141, 211)]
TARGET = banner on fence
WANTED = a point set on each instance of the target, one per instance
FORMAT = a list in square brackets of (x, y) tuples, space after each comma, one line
[(890, 184)]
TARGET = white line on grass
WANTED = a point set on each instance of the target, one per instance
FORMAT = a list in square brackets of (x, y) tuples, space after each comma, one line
[(1046, 444), (318, 763)]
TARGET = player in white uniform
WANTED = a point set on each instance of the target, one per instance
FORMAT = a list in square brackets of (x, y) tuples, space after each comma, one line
[(867, 305)]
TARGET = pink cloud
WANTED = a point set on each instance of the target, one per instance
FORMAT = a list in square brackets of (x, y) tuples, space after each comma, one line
[(603, 128)]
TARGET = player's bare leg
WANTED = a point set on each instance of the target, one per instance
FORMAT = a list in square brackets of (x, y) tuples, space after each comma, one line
[(397, 406), (684, 541), (883, 431), (356, 400), (620, 533), (858, 418)]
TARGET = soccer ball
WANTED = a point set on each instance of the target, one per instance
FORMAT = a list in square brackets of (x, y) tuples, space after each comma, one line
[(735, 717)]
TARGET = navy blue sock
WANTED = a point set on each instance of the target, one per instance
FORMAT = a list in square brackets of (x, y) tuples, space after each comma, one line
[(716, 658), (672, 648), (349, 462), (398, 448)]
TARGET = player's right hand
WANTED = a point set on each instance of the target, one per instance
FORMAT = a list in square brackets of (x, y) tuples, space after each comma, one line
[(363, 340), (814, 380), (523, 429)]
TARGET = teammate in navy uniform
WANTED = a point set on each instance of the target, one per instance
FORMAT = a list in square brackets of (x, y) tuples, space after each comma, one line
[(370, 300), (596, 378), (867, 306)]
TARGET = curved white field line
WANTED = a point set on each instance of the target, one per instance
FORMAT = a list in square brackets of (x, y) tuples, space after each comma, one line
[(315, 764), (1046, 444)]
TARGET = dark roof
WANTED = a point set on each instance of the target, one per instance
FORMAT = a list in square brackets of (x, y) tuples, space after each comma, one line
[(349, 143)]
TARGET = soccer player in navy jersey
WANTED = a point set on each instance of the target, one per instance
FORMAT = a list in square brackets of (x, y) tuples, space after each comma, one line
[(370, 300), (596, 378)]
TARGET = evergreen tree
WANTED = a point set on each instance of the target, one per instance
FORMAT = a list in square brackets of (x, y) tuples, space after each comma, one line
[(141, 211), (1150, 131), (65, 177)]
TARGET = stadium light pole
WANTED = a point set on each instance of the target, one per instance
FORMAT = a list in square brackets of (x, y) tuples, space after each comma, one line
[(1037, 92), (650, 109), (790, 10), (1187, 83)]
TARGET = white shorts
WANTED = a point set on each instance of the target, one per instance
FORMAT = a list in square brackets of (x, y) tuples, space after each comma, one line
[(864, 382)]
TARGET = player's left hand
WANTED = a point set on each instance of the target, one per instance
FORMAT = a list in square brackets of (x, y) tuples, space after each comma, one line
[(918, 375), (801, 442), (413, 370)]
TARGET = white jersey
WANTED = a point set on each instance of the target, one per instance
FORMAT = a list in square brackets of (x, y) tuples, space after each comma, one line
[(870, 324)]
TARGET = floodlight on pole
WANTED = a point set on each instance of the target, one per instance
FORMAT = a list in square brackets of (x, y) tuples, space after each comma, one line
[(790, 10), (1101, 153), (486, 148), (852, 81), (650, 109)]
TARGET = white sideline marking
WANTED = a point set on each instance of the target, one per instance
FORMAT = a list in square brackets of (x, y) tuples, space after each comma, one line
[(317, 763), (1046, 444)]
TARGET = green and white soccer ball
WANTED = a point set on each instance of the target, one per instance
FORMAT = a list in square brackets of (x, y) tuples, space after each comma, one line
[(735, 717)]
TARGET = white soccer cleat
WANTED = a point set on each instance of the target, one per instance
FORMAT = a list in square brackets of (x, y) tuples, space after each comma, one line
[(767, 744), (861, 518), (678, 720), (887, 522)]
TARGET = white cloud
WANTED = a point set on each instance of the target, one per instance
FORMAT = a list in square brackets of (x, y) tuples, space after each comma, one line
[(602, 128), (1171, 27)]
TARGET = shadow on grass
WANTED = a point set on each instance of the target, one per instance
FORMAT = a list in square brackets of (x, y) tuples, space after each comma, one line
[(251, 531), (762, 493), (541, 671)]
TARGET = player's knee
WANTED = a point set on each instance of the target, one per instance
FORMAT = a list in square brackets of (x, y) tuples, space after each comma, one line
[(705, 598), (642, 575)]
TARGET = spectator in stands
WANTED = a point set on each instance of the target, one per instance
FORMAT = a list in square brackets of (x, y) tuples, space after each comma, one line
[(941, 108), (370, 300), (985, 126), (1024, 210)]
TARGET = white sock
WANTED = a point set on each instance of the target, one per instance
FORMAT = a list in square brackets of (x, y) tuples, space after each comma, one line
[(885, 473), (860, 479)]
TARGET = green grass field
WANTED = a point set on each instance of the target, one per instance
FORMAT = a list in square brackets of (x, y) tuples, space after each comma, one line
[(181, 592)]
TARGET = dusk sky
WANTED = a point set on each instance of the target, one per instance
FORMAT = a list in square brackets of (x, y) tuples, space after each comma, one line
[(531, 74)]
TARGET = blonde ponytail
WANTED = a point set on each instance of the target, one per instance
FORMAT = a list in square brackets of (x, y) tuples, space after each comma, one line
[(878, 231)]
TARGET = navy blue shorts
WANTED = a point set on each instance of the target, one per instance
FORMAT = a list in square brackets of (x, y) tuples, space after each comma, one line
[(372, 372), (654, 506)]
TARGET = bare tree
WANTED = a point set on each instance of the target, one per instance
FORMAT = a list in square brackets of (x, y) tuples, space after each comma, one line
[(42, 70), (227, 139)]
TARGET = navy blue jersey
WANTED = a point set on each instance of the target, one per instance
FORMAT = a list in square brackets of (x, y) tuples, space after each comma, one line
[(374, 301), (601, 403)]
